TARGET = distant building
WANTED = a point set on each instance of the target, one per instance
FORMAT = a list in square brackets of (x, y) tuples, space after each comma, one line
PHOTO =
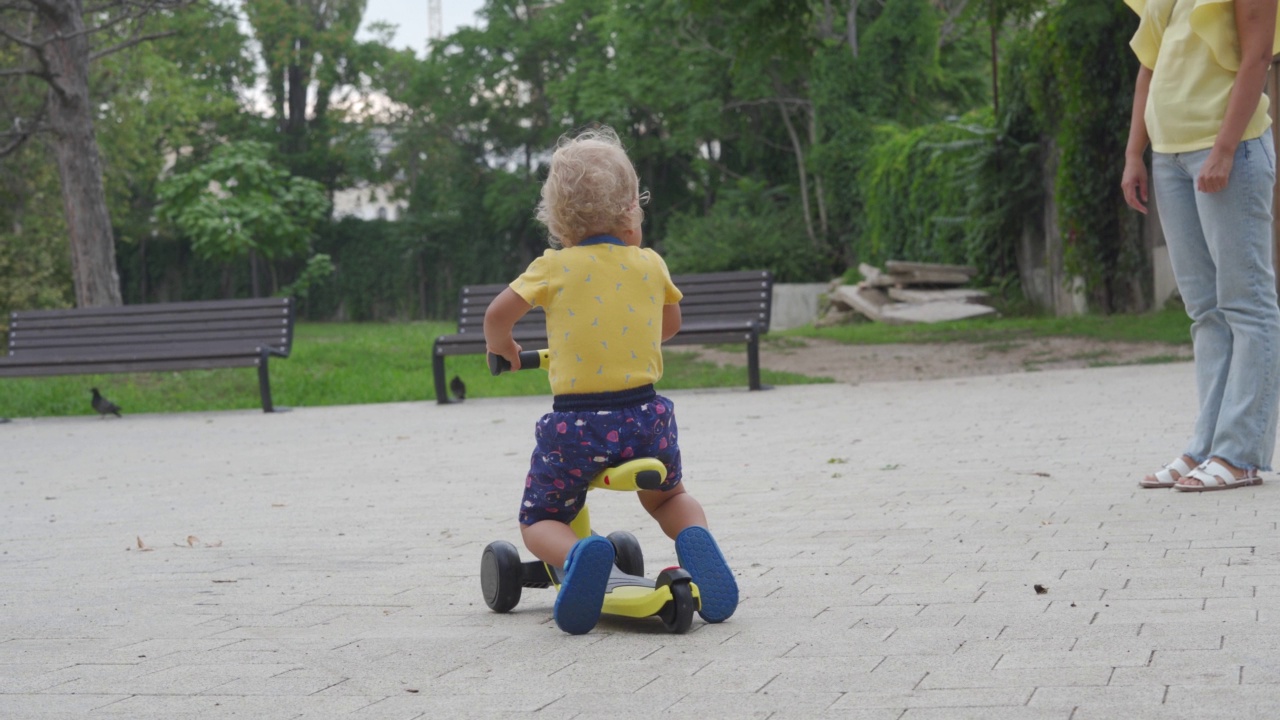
[(367, 201)]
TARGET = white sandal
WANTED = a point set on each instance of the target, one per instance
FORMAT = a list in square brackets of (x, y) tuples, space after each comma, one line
[(1213, 475), (1165, 477)]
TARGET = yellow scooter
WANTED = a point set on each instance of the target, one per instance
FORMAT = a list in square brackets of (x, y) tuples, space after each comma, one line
[(672, 598)]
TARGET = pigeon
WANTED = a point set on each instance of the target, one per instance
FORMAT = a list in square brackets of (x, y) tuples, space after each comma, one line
[(104, 406), (458, 388)]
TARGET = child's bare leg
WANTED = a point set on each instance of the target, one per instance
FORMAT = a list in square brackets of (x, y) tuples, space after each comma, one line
[(674, 509), (583, 584), (549, 540), (682, 519)]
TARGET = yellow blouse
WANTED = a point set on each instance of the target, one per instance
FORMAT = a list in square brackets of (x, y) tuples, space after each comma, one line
[(1192, 50)]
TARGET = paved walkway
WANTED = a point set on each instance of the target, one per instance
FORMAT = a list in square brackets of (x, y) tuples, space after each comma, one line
[(888, 538)]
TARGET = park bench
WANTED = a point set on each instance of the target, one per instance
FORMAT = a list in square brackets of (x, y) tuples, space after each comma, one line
[(723, 307), (196, 335)]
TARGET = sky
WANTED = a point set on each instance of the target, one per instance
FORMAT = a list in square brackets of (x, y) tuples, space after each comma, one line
[(411, 17)]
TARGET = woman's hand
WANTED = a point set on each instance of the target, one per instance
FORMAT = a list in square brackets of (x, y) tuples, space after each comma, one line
[(1134, 183), (1216, 171)]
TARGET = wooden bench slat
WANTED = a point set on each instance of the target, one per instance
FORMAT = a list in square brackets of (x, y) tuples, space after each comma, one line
[(126, 366), (148, 338), (231, 335), (116, 354), (727, 307), (191, 306), (167, 318)]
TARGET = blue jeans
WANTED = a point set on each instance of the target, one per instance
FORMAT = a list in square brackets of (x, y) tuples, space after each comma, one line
[(1221, 249)]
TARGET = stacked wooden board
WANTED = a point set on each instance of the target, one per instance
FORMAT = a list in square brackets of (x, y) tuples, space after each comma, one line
[(909, 292)]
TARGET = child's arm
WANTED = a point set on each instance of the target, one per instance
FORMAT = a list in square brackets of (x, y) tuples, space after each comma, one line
[(503, 314), (670, 321)]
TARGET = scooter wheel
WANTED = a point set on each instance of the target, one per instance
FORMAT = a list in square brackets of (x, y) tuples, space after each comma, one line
[(500, 576), (627, 554), (677, 615)]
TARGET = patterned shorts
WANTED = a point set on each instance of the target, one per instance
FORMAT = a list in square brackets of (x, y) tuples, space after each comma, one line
[(574, 446)]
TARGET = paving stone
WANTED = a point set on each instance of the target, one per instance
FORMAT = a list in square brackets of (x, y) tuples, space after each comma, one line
[(345, 575)]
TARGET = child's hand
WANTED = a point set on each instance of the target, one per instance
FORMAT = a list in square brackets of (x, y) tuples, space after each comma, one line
[(511, 353)]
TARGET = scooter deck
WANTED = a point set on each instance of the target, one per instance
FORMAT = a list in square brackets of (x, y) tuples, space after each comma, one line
[(628, 595)]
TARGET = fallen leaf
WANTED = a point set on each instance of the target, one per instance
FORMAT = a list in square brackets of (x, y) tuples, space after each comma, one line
[(1040, 589), (143, 546), (192, 540)]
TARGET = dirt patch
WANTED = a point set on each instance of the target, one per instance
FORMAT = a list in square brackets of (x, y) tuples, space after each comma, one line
[(884, 363)]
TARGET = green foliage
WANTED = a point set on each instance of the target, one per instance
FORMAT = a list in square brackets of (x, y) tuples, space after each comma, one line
[(35, 267), (318, 267), (898, 64), (238, 203), (771, 133), (750, 228), (914, 196), (951, 192), (1082, 91)]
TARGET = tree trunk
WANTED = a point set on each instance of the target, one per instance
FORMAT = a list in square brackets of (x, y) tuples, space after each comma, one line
[(93, 252), (801, 171)]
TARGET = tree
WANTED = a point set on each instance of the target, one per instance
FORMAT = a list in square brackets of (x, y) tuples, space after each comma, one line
[(238, 205), (58, 51), (308, 50)]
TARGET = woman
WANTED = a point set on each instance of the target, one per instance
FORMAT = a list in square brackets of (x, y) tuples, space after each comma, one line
[(1198, 101)]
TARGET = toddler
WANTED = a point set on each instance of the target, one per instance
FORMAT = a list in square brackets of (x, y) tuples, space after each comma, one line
[(609, 306)]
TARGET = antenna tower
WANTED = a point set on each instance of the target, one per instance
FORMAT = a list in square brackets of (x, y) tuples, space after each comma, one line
[(435, 27)]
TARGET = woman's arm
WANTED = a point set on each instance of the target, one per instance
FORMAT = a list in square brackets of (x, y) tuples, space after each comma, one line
[(1256, 29), (501, 316), (1134, 181)]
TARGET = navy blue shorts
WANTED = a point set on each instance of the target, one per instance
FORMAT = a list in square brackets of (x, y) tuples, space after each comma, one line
[(574, 445)]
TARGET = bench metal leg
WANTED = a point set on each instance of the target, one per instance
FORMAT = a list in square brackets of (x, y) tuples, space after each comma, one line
[(264, 383), (753, 363), (437, 374)]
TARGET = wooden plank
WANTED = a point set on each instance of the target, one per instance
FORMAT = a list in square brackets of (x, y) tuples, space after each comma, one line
[(866, 300), (907, 313), (901, 267), (917, 295), (925, 277)]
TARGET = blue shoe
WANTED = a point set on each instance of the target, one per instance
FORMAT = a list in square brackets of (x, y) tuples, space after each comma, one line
[(699, 554), (586, 577)]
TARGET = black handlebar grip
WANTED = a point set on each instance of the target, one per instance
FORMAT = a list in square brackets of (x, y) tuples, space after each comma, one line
[(529, 360), (498, 364)]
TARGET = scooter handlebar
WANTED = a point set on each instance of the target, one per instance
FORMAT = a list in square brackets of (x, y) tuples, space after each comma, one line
[(529, 360)]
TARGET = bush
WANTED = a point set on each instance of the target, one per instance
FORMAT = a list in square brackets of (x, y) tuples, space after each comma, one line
[(749, 228)]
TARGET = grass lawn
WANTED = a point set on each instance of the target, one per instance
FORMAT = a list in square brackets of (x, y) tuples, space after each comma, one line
[(356, 363), (331, 364), (1167, 326)]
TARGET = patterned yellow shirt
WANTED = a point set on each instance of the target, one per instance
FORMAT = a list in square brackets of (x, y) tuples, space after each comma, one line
[(604, 314)]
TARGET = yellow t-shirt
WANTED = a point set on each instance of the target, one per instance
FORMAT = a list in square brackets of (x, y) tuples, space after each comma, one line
[(604, 315), (1193, 52)]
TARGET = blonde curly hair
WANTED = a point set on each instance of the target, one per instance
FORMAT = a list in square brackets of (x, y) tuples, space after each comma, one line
[(591, 189)]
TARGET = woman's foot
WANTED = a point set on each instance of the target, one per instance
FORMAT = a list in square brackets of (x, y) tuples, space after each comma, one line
[(1217, 474), (1170, 474)]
